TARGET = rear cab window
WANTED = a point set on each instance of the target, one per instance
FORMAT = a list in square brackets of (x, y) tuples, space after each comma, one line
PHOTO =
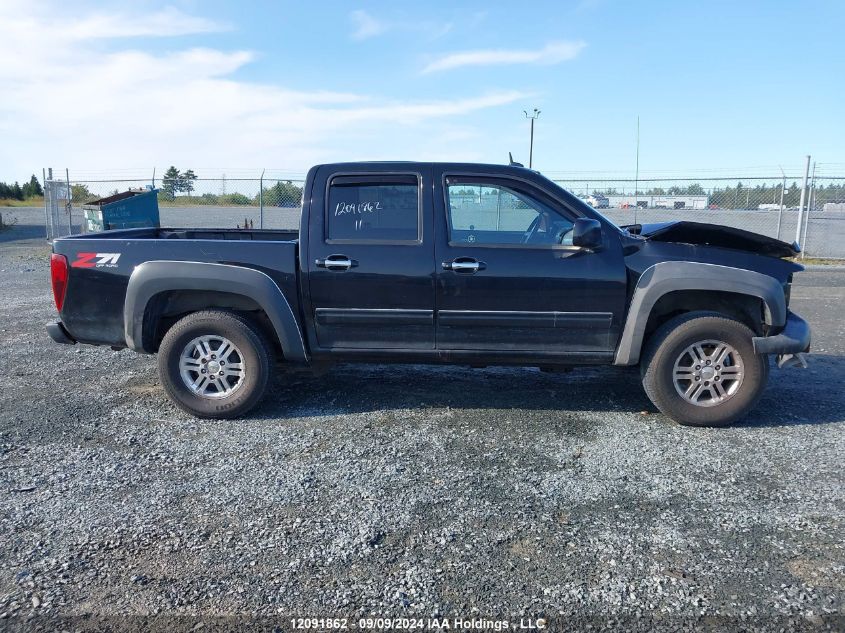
[(374, 209)]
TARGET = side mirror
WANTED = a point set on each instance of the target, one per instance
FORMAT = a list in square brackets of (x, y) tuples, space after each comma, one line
[(587, 233)]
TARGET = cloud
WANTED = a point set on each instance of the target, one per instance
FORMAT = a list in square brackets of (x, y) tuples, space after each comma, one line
[(366, 26), (71, 101), (417, 112), (551, 53), (164, 23)]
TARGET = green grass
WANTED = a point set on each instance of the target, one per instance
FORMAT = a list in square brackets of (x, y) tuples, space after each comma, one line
[(184, 201), (815, 261), (29, 202)]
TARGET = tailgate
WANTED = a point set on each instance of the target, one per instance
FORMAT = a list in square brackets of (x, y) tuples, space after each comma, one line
[(98, 273)]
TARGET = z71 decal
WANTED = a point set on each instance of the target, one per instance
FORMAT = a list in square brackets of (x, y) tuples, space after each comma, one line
[(96, 260)]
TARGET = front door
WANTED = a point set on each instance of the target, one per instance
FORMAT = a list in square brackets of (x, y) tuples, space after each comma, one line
[(509, 279), (371, 261)]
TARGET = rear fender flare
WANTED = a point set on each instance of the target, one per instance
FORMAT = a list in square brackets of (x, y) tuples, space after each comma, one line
[(154, 277), (666, 277)]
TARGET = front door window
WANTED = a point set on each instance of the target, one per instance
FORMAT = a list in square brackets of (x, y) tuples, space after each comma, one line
[(492, 214)]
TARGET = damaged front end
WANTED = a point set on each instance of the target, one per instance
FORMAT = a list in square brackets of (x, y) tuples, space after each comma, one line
[(703, 234), (789, 345), (752, 257)]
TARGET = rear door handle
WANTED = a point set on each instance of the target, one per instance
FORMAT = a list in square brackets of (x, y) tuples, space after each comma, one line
[(336, 262), (464, 265)]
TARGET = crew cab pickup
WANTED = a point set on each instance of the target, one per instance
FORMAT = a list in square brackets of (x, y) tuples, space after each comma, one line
[(403, 262)]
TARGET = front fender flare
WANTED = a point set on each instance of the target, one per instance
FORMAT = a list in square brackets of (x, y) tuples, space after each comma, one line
[(154, 277), (666, 277)]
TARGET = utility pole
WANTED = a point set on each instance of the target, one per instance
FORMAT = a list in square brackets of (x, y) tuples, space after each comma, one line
[(533, 118)]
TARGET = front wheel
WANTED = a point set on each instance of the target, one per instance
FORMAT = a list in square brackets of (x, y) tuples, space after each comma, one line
[(214, 364), (700, 369)]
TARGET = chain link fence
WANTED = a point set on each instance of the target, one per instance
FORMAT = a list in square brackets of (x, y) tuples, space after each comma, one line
[(824, 225), (769, 205), (271, 203), (58, 209), (745, 203)]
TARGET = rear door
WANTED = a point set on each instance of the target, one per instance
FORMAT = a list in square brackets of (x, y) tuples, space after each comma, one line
[(371, 260), (508, 277)]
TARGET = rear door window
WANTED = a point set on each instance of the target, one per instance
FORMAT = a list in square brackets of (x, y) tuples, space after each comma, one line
[(377, 209)]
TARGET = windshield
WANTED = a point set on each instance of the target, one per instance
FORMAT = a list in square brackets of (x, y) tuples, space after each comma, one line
[(582, 206)]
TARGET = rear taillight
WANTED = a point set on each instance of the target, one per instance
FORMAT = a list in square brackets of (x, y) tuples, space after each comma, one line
[(58, 276)]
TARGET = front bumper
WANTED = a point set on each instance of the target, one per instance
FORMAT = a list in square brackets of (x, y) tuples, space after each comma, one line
[(794, 339), (58, 333)]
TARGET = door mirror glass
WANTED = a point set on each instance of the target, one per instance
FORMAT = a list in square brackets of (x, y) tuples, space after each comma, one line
[(586, 233)]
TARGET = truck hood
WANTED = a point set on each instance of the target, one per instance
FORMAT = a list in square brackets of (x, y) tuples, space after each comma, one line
[(714, 235)]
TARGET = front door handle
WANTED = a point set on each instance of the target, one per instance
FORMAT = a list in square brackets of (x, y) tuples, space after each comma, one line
[(336, 262), (464, 265)]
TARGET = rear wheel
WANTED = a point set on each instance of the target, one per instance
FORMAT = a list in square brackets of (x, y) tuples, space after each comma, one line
[(215, 364), (700, 369)]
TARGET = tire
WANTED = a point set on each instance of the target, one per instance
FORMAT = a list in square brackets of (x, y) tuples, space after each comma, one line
[(188, 354), (671, 358)]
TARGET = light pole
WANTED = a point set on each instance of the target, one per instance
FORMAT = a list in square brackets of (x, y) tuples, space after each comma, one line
[(533, 118)]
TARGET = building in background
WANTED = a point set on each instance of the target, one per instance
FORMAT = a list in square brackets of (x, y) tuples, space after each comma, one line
[(658, 202)]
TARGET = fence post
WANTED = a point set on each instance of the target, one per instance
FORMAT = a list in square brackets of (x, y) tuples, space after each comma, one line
[(48, 198), (261, 201), (810, 197), (498, 209), (780, 212), (801, 203), (69, 203), (46, 213)]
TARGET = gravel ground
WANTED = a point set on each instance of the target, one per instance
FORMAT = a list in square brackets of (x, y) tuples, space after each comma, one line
[(419, 492)]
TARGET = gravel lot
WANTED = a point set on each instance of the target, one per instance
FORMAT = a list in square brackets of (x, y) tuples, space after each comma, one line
[(418, 491)]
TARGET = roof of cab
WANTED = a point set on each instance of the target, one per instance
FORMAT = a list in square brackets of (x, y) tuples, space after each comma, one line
[(393, 164)]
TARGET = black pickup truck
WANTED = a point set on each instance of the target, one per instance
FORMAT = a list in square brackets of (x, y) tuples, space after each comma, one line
[(468, 264)]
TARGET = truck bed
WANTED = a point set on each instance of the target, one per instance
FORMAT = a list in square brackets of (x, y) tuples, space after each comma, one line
[(100, 265)]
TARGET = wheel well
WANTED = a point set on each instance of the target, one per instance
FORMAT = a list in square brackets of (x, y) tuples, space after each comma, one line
[(744, 308), (166, 308)]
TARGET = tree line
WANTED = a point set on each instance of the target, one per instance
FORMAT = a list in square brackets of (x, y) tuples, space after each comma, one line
[(283, 193), (740, 196), (31, 189), (175, 181)]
